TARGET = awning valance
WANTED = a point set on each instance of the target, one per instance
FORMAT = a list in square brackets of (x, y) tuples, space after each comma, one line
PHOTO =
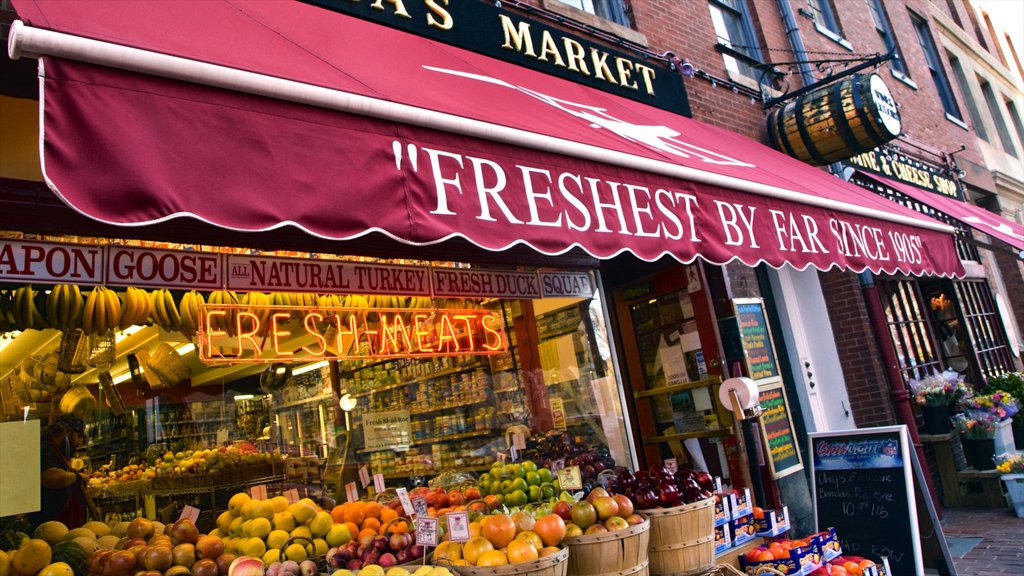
[(300, 116), (974, 216)]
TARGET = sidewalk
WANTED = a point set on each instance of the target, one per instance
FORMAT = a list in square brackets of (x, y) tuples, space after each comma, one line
[(985, 541)]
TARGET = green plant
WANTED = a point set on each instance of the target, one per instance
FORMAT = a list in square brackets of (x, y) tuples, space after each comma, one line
[(980, 427), (1011, 382)]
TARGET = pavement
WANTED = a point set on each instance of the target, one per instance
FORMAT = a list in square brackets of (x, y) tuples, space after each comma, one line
[(985, 541)]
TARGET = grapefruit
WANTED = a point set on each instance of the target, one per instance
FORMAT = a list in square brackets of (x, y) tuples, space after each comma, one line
[(31, 557), (57, 569), (499, 529)]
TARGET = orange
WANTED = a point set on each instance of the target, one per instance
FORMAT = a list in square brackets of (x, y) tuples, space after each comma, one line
[(521, 551), (387, 515), (500, 529), (352, 528), (354, 515), (475, 530), (493, 558), (397, 527), (338, 514), (531, 537), (550, 528), (366, 532), (371, 524), (548, 551), (763, 556), (863, 565), (448, 550), (758, 512), (372, 509), (475, 548)]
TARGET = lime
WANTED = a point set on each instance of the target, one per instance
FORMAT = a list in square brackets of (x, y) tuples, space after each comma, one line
[(535, 493), (547, 490), (519, 484), (497, 487), (533, 478), (545, 475), (485, 478), (516, 498), (529, 465)]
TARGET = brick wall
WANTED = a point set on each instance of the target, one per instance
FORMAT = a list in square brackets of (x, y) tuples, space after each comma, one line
[(866, 383)]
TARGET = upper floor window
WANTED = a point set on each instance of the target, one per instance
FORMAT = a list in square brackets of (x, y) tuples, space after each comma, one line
[(965, 90), (734, 29), (1011, 110), (613, 10), (824, 15), (931, 57), (884, 30), (997, 118), (954, 13)]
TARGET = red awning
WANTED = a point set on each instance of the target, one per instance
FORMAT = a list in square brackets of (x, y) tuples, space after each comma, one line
[(258, 114), (974, 216)]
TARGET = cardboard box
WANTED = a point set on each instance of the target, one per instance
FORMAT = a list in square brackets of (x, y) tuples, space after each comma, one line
[(740, 503), (742, 530), (723, 513), (723, 538), (774, 523), (801, 561), (827, 544), (867, 571)]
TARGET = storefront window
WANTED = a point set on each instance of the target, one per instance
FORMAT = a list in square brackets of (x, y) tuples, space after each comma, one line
[(909, 328)]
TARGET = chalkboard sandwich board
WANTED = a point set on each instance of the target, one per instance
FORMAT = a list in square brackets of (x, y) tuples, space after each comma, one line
[(777, 431)]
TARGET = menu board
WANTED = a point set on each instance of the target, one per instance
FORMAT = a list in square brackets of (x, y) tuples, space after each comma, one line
[(756, 339), (862, 487), (777, 431)]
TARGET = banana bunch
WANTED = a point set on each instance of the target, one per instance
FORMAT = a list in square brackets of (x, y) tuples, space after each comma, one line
[(26, 313), (64, 306), (189, 310), (224, 323), (102, 311), (165, 311), (7, 312), (325, 301), (258, 302), (137, 307)]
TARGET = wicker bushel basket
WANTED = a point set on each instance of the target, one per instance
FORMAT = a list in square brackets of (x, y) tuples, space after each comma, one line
[(617, 553), (682, 538), (554, 565)]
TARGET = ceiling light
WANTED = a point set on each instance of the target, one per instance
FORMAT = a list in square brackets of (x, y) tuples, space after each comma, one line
[(244, 397), (128, 332), (124, 376), (8, 339), (185, 348), (309, 367)]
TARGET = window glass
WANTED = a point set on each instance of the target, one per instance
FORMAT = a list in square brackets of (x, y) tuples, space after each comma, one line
[(997, 118), (733, 27), (965, 89), (824, 15), (931, 56), (1011, 111), (613, 10), (884, 30)]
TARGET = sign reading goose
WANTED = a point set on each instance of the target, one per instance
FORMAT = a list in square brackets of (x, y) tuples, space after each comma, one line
[(233, 334)]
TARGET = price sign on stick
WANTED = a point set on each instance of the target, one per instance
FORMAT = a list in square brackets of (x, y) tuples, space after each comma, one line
[(191, 513), (364, 475), (558, 465), (378, 483), (351, 492), (458, 526), (258, 492), (671, 465), (569, 478), (513, 453), (403, 497), (291, 495), (419, 505), (426, 531)]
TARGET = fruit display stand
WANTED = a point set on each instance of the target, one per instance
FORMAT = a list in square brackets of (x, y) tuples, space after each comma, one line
[(615, 553), (682, 538), (553, 565)]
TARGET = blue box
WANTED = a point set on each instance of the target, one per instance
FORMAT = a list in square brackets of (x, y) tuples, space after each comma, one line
[(827, 544), (722, 511), (801, 561), (774, 523), (743, 530), (740, 503), (723, 538)]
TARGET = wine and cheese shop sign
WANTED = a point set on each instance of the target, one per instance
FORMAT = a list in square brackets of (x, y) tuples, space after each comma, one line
[(908, 171), (777, 431), (487, 29)]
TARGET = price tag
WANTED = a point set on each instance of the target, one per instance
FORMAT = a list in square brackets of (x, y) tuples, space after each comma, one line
[(291, 495), (569, 478), (419, 505), (458, 526), (191, 513), (378, 483), (426, 531), (364, 475), (351, 492), (558, 465), (513, 453), (671, 465), (519, 440), (403, 497), (258, 492), (502, 457)]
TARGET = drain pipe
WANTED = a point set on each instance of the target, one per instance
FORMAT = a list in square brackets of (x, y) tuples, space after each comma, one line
[(897, 390), (795, 41)]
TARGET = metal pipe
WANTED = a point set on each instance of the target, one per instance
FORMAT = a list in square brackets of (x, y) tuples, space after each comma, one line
[(897, 389), (795, 41), (35, 42)]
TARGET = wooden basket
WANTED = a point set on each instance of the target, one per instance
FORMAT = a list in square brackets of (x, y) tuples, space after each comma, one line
[(554, 565), (682, 538), (618, 553)]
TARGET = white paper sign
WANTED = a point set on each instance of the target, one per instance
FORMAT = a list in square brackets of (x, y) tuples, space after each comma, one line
[(671, 465), (458, 526), (190, 513), (292, 495), (519, 440), (558, 465), (387, 430), (426, 531), (513, 454), (19, 467), (419, 505), (378, 483), (351, 492), (569, 478), (364, 475), (403, 497), (258, 492)]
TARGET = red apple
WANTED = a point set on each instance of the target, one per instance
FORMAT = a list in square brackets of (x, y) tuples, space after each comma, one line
[(563, 509), (625, 505), (583, 514), (606, 507)]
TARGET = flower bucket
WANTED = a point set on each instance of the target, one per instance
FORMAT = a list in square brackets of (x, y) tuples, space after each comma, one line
[(1015, 492), (1004, 437), (980, 453), (936, 418)]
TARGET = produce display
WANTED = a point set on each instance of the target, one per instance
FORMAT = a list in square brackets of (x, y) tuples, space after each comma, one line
[(515, 484), (660, 488)]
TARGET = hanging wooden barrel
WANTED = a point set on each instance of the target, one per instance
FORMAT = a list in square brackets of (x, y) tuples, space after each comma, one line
[(835, 122), (682, 541)]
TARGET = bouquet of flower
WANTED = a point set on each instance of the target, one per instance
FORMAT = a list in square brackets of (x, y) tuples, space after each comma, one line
[(976, 427), (939, 389), (999, 404), (1011, 382), (1010, 463)]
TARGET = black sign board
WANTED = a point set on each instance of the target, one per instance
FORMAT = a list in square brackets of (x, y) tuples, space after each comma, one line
[(863, 486), (755, 338), (908, 171), (486, 29), (777, 431)]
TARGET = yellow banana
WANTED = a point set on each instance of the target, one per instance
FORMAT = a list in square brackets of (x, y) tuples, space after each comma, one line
[(76, 304), (159, 309), (89, 312), (173, 318), (99, 314), (127, 309), (52, 305), (113, 309)]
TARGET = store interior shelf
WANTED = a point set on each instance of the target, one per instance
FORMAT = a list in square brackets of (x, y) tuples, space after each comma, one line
[(448, 407), (687, 435), (676, 388), (418, 379)]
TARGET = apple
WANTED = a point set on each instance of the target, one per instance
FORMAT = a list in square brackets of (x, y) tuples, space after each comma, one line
[(120, 563), (634, 519), (563, 509), (625, 504), (209, 547), (246, 566), (596, 493), (205, 567), (224, 563), (583, 514), (184, 555), (184, 532), (595, 529), (573, 530), (616, 523), (606, 506), (141, 528), (157, 558)]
